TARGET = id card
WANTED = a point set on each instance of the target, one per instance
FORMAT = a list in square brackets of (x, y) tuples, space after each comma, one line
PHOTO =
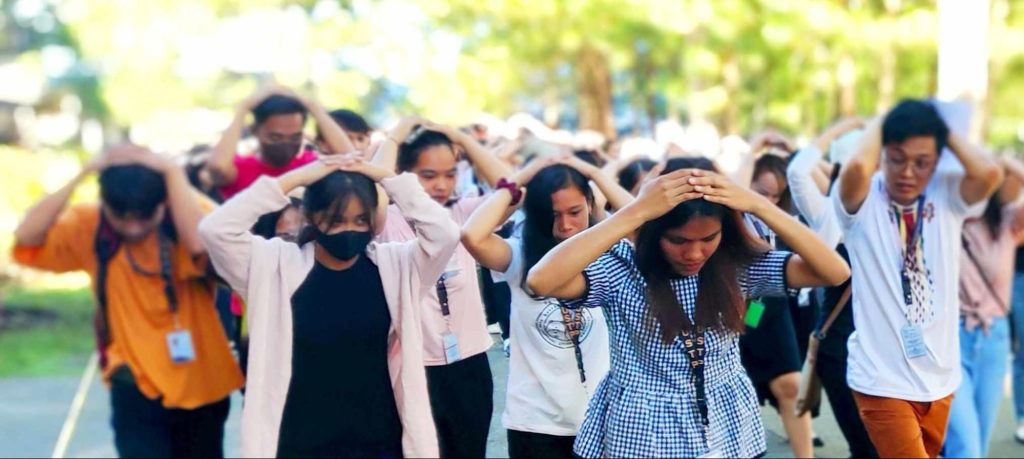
[(913, 341), (180, 345), (754, 313), (451, 347)]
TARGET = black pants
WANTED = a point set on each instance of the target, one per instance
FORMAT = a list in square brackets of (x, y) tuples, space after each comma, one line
[(497, 301), (528, 444), (144, 428), (462, 399), (832, 371)]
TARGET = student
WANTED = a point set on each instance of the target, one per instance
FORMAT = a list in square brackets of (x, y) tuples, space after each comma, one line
[(816, 208), (285, 223), (775, 343), (986, 273), (455, 332), (631, 175), (335, 362), (162, 348), (279, 116), (558, 355), (356, 129), (902, 225), (674, 303)]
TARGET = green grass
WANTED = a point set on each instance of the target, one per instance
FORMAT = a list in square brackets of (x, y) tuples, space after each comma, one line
[(57, 348)]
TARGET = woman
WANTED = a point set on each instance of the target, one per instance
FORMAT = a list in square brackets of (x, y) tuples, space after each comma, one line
[(455, 335), (775, 343), (674, 302), (335, 365), (557, 356), (986, 278)]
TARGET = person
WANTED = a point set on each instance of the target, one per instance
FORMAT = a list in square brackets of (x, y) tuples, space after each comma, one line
[(279, 115), (162, 348), (902, 225), (355, 127), (674, 303), (558, 356), (986, 274), (815, 207), (774, 345), (631, 175), (335, 363), (455, 332), (285, 223)]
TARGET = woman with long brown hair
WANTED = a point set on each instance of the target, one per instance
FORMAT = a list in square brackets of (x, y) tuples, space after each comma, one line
[(674, 302)]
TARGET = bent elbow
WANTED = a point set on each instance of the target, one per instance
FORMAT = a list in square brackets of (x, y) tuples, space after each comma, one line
[(840, 275), (536, 284)]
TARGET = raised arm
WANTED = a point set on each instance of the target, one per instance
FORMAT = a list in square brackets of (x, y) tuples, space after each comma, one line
[(855, 177), (490, 166), (560, 273), (31, 232), (478, 237), (617, 196), (221, 164), (387, 151), (336, 139), (802, 174), (982, 173), (815, 263)]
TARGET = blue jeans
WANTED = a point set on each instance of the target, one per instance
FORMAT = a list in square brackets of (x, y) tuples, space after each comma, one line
[(1017, 315), (973, 413)]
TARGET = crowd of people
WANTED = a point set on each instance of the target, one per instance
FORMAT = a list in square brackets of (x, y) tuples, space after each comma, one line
[(347, 283)]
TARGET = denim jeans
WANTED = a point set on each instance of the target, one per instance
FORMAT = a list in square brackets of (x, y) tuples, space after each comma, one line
[(1017, 315), (983, 357)]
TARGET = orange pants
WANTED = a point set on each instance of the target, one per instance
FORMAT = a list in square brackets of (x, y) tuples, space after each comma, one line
[(899, 428)]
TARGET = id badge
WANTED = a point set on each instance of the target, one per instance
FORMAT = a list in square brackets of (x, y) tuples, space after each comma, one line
[(180, 345), (451, 347), (913, 341), (754, 313)]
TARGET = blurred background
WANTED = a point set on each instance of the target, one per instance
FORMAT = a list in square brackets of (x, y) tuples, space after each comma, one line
[(76, 75)]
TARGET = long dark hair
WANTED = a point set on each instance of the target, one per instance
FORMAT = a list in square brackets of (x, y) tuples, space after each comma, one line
[(325, 200), (719, 303), (266, 225), (993, 216), (540, 215), (775, 165), (633, 172), (409, 152)]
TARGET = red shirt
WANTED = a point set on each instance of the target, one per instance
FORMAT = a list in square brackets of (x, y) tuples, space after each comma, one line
[(251, 168)]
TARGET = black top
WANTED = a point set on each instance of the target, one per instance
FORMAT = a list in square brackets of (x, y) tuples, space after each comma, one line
[(1020, 260), (834, 343), (340, 401)]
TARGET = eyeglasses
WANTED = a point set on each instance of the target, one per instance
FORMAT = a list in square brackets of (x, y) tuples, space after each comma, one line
[(920, 166)]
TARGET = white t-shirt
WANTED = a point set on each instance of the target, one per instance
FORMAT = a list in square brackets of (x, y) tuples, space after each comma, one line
[(877, 363), (545, 394)]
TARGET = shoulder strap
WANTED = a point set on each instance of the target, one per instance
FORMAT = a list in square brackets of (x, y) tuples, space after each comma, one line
[(105, 244), (981, 272), (840, 305)]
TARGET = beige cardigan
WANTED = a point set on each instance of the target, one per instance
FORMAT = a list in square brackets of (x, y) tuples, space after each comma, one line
[(267, 272)]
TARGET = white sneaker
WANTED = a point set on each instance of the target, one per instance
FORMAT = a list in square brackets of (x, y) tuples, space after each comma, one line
[(506, 345), (1019, 434), (494, 329)]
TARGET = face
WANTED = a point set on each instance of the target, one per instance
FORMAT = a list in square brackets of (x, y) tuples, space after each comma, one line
[(767, 185), (436, 169), (360, 140), (355, 217), (688, 247), (280, 138), (908, 166), (289, 224), (131, 228), (572, 213)]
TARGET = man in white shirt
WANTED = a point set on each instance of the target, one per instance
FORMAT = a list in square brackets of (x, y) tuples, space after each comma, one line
[(902, 223)]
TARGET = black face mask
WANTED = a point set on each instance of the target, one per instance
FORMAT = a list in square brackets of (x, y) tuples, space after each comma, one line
[(344, 245), (279, 154)]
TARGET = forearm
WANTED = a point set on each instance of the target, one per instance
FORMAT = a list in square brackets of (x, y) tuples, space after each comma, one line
[(37, 222), (184, 210), (617, 196), (335, 137), (386, 156), (856, 175), (490, 167), (486, 218), (221, 163), (804, 242), (568, 259), (809, 200)]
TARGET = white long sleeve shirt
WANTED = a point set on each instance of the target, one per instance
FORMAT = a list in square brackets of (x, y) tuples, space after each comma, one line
[(814, 206)]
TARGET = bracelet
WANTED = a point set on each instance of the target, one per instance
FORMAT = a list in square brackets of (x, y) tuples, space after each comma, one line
[(513, 189)]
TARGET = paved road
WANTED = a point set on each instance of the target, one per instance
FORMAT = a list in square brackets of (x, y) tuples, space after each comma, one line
[(32, 411)]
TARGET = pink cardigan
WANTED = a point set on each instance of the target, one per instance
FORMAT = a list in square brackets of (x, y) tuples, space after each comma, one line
[(267, 272)]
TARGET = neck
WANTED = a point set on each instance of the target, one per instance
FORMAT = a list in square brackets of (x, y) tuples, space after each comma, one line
[(332, 263)]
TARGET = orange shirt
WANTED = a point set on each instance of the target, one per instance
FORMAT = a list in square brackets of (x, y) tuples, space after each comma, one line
[(139, 315)]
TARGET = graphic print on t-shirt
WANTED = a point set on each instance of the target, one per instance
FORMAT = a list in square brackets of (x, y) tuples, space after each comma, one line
[(550, 324), (922, 285)]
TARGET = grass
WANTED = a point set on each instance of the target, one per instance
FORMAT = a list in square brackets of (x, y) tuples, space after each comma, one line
[(57, 347)]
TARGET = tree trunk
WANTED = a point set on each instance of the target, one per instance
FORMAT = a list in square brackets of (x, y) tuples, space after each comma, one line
[(595, 91)]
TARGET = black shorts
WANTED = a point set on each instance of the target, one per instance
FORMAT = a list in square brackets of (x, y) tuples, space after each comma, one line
[(778, 345)]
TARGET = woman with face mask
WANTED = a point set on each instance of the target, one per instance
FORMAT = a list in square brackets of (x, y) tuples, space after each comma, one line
[(335, 357), (674, 304), (557, 356)]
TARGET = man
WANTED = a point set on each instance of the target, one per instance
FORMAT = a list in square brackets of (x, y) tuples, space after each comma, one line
[(902, 226), (279, 116), (356, 129), (163, 350)]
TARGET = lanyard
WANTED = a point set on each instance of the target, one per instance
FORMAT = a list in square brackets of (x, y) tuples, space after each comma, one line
[(165, 274), (694, 344), (910, 242), (442, 297), (573, 328)]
